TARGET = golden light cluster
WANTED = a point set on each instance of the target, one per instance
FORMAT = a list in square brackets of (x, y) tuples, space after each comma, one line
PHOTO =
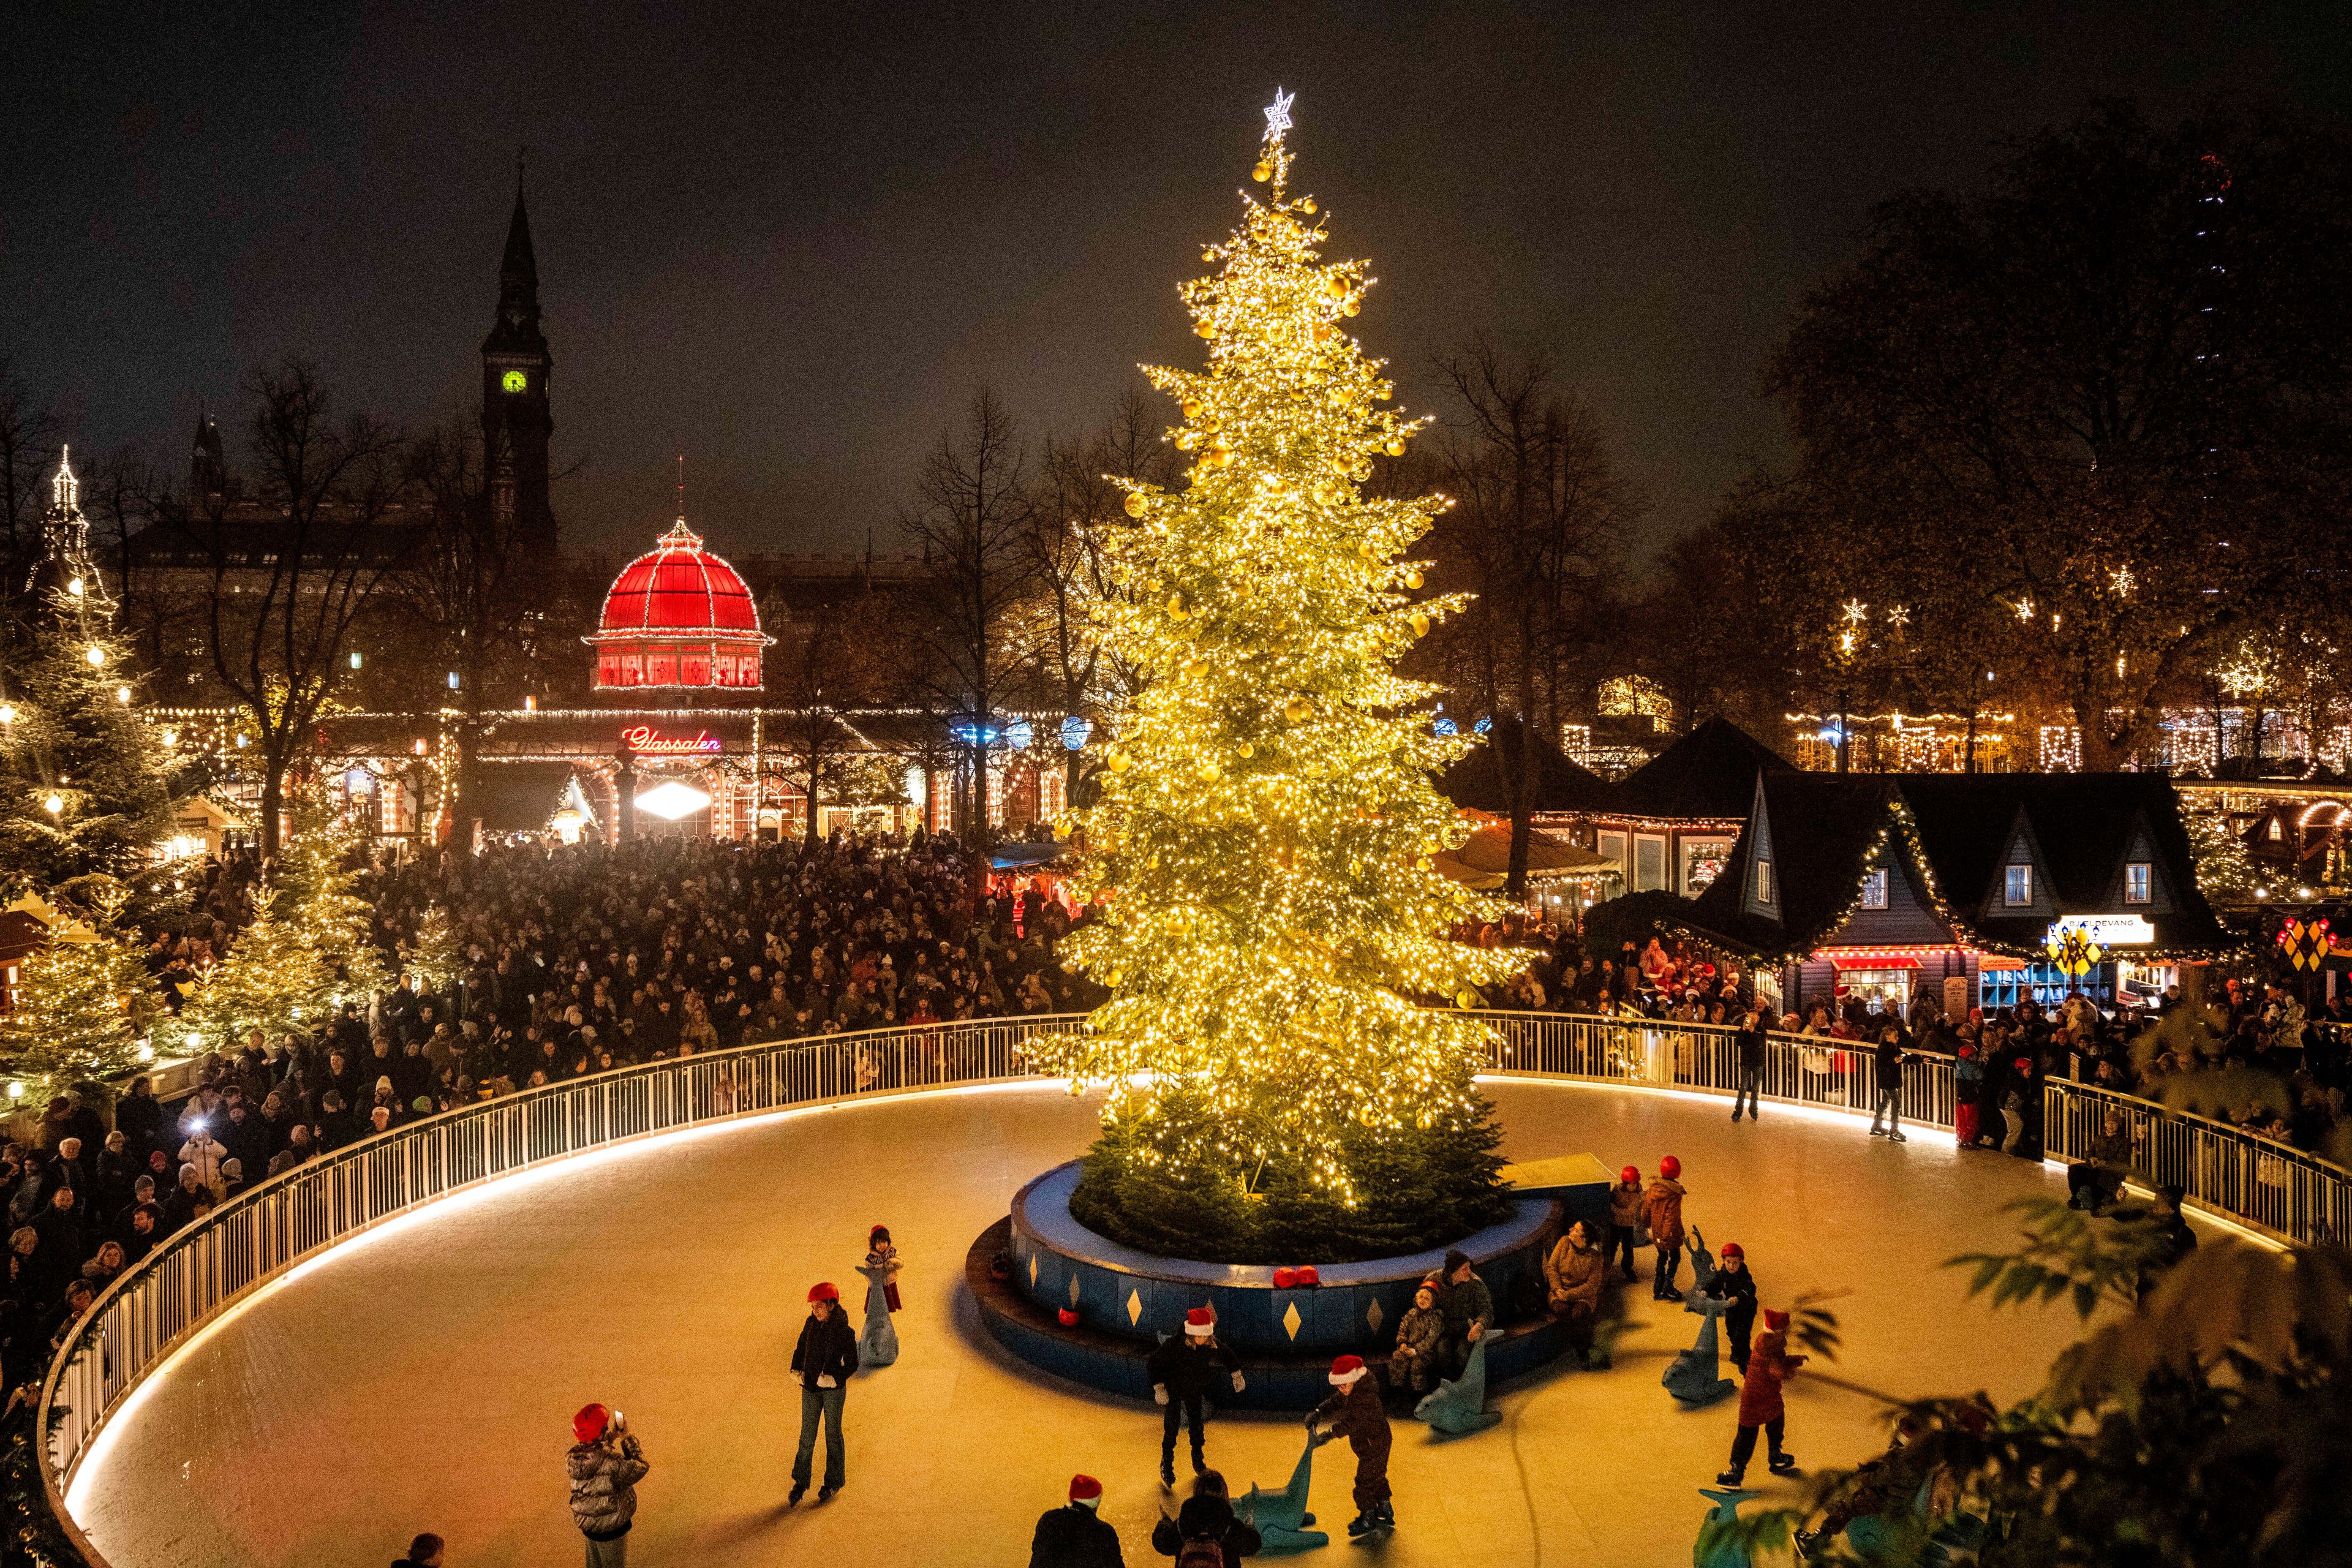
[(1268, 820)]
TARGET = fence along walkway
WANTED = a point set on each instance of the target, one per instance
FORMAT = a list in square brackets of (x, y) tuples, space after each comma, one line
[(205, 1268)]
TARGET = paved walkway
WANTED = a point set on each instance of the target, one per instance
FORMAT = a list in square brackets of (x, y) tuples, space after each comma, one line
[(422, 1378)]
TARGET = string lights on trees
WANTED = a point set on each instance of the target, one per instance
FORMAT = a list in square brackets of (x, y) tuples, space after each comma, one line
[(1267, 825)]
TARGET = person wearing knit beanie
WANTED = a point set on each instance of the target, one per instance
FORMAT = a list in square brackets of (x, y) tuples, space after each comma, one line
[(1356, 1412), (1075, 1535)]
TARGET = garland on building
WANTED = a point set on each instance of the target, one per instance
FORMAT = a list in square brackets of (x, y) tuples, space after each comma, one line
[(1267, 823)]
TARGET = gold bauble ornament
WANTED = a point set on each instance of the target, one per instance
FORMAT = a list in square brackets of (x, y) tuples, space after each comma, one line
[(1350, 309), (1247, 750), (1120, 762), (1337, 286), (1412, 579), (1223, 456), (1135, 503), (1176, 606), (1208, 768), (1465, 998), (1395, 449), (1192, 408), (1307, 206), (1262, 172), (1420, 625), (1206, 329), (1298, 709)]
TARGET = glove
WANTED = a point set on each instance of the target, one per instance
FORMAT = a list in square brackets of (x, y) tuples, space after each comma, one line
[(825, 1380), (1159, 1394), (1237, 1383)]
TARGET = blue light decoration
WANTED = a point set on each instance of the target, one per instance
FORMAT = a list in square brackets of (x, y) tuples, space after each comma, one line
[(968, 731), (1075, 730), (1483, 725), (1444, 728), (1018, 734)]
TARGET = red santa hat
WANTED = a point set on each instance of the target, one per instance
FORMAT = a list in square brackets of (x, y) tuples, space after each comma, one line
[(1347, 1370), (588, 1425), (1775, 1320), (1086, 1490), (1200, 1323)]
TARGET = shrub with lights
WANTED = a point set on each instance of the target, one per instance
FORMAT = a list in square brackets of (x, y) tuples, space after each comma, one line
[(84, 1001), (1274, 922)]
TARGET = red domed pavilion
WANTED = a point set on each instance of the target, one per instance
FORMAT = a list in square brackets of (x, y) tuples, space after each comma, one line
[(679, 616)]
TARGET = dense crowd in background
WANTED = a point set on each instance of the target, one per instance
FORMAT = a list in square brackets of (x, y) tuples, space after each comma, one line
[(567, 961)]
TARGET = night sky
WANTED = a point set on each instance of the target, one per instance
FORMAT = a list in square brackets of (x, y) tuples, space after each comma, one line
[(789, 240)]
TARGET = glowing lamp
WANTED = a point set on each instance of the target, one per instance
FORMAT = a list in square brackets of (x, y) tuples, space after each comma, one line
[(146, 1052), (122, 694), (355, 659), (672, 800), (96, 655), (7, 713), (54, 804), (74, 587), (16, 1088)]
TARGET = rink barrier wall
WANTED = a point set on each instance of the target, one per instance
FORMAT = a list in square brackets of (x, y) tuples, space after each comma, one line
[(204, 1269)]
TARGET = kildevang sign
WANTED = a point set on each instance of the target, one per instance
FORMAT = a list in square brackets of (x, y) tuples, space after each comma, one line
[(2105, 931)]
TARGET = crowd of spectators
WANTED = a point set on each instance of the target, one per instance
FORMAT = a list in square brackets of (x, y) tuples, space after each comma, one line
[(567, 961)]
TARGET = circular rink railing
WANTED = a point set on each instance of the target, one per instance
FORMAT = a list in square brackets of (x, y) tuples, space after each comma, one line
[(199, 1273)]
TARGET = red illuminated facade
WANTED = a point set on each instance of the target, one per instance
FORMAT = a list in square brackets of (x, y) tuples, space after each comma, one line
[(678, 617)]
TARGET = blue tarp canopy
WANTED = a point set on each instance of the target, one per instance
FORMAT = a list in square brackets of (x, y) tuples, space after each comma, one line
[(1020, 856)]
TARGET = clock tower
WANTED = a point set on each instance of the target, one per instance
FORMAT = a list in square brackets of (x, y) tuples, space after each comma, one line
[(515, 420)]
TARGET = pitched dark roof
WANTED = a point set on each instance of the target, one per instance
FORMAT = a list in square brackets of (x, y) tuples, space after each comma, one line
[(1475, 781), (1824, 827), (1709, 773)]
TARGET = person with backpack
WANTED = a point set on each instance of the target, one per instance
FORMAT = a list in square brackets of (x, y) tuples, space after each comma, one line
[(1205, 1532), (1076, 1535), (604, 1466), (1356, 1413), (1183, 1369)]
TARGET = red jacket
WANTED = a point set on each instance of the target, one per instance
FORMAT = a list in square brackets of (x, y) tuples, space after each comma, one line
[(1769, 1362)]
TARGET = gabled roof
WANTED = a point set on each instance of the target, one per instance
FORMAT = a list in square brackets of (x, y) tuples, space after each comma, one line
[(1824, 827), (1475, 781), (1709, 773)]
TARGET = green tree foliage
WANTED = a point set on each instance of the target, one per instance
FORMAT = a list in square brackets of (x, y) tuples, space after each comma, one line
[(85, 1001), (2103, 404), (76, 739)]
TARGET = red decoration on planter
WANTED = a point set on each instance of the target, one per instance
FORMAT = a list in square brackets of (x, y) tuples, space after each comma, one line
[(1069, 1317), (1307, 1276), (1284, 1279)]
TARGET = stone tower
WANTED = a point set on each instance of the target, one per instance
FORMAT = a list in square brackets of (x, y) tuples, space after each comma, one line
[(516, 424)]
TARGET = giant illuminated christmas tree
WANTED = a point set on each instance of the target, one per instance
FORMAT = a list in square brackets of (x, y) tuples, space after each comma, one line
[(1275, 929)]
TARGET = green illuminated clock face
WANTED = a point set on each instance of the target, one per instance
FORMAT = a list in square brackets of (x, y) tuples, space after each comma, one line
[(515, 381)]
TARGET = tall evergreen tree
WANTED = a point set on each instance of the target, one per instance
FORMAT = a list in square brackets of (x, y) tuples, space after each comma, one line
[(84, 1002)]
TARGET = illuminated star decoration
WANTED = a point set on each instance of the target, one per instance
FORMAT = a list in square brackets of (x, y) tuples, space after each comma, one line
[(1856, 610), (1277, 119), (1898, 615)]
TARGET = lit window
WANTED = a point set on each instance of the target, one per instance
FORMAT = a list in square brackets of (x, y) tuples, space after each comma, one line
[(2135, 882), (2018, 888), (1763, 881), (2277, 830), (1874, 888)]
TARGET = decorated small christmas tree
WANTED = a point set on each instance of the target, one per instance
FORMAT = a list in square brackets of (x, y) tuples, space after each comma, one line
[(1274, 928), (82, 791), (84, 1002), (437, 960), (272, 979)]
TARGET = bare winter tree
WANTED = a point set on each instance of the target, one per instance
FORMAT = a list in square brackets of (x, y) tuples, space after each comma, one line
[(1541, 512), (972, 519), (830, 659), (28, 449), (291, 576)]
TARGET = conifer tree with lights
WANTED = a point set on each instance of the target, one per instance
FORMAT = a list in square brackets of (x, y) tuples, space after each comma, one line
[(1275, 927), (84, 1002), (83, 791)]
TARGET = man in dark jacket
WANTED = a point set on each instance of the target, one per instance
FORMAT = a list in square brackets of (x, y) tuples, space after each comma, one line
[(1750, 1044), (1076, 1536), (1207, 1516), (1184, 1369), (424, 1552), (603, 1466), (824, 1360)]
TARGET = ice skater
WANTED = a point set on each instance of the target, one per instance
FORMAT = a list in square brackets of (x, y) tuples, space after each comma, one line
[(1356, 1412), (1182, 1369), (822, 1362), (1769, 1363), (1734, 1285), (1662, 1206), (1624, 1220)]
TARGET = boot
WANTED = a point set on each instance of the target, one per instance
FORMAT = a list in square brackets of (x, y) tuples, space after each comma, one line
[(800, 1490), (1360, 1525), (1386, 1518), (1783, 1464), (1729, 1478), (1199, 1463), (1166, 1472)]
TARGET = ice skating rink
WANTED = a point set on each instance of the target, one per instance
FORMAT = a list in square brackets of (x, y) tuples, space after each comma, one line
[(421, 1377)]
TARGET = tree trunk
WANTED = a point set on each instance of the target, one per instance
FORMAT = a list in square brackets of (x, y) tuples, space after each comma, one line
[(273, 801), (809, 840), (1519, 787)]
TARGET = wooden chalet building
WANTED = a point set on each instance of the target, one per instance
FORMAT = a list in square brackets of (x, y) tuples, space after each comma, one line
[(1884, 885)]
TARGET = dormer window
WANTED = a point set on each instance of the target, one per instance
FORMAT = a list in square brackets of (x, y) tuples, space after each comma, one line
[(2138, 875), (1873, 887), (2017, 887), (1763, 881)]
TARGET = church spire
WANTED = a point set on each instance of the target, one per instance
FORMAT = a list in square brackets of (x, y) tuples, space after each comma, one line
[(516, 422), (517, 325), (65, 567)]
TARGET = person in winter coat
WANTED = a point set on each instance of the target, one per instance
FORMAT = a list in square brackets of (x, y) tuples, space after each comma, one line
[(1573, 1275), (1768, 1364), (1206, 1520), (1734, 1284), (1356, 1413), (1466, 1307), (1750, 1044), (604, 1466), (1184, 1369), (2094, 1180), (1661, 1207), (824, 1360), (1624, 1218), (1890, 1056), (1420, 1336), (1075, 1535), (1968, 1087), (424, 1552)]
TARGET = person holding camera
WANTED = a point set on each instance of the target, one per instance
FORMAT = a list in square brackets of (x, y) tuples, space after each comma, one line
[(824, 1359), (604, 1466)]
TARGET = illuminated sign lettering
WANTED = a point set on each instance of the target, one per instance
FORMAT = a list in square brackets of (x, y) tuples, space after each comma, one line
[(647, 742)]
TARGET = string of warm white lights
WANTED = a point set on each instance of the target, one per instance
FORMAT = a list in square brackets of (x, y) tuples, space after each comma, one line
[(1267, 826)]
